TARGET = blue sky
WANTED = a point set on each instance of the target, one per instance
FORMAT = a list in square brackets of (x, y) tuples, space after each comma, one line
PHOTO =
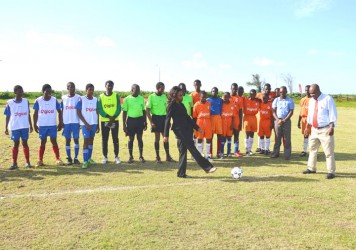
[(218, 42)]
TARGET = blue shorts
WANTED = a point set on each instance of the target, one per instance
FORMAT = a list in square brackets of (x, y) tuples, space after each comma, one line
[(71, 129), (89, 133), (19, 133), (45, 131)]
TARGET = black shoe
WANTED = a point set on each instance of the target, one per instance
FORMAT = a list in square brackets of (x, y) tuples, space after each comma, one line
[(309, 172), (274, 156), (13, 167), (303, 154), (141, 159), (330, 176), (131, 160), (76, 161), (69, 161), (262, 152), (258, 150), (267, 152), (184, 176), (158, 160), (169, 159)]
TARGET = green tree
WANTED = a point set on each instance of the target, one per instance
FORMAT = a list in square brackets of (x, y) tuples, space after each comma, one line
[(256, 82)]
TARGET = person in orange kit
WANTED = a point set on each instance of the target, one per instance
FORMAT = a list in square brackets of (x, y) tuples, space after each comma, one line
[(304, 103), (238, 100), (265, 125), (251, 107), (201, 113), (228, 114)]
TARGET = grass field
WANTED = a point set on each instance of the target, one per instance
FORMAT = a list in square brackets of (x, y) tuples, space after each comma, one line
[(145, 206)]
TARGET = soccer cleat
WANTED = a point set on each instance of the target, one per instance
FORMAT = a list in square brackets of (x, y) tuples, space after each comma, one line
[(142, 160), (267, 152), (69, 161), (59, 162), (250, 153), (39, 164), (211, 170), (258, 150), (169, 159), (221, 156), (330, 176), (262, 152), (27, 165), (76, 161), (308, 171), (13, 167), (229, 155), (303, 154), (238, 154), (85, 165), (90, 161), (104, 160), (117, 160), (131, 159), (158, 160), (209, 158)]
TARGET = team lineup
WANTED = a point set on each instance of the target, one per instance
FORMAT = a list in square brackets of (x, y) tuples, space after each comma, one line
[(197, 119)]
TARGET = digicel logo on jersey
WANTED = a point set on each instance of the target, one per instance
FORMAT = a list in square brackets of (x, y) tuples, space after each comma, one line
[(109, 105), (70, 107), (90, 109), (20, 114), (46, 111)]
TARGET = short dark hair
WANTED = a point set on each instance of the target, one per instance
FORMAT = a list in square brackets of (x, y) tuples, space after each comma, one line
[(70, 83), (234, 84), (89, 85), (109, 82), (198, 81), (16, 87), (159, 85), (217, 90), (46, 86), (202, 93)]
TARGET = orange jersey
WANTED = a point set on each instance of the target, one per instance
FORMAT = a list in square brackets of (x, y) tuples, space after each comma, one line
[(271, 96), (201, 110), (266, 111), (196, 96), (238, 101), (228, 110), (251, 107), (304, 104)]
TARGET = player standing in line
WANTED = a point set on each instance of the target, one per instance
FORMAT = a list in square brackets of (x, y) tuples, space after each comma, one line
[(134, 120), (215, 111), (239, 102), (109, 108), (228, 114), (71, 122), (202, 115), (196, 94), (157, 106), (304, 104), (187, 99), (18, 119), (270, 97), (251, 107), (45, 122), (89, 120), (265, 125)]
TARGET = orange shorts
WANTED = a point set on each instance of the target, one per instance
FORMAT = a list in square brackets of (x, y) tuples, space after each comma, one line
[(250, 123), (237, 122), (226, 126), (216, 124), (304, 125), (264, 128), (205, 125)]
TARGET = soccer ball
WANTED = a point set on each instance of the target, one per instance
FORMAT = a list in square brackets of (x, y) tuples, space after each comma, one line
[(236, 173)]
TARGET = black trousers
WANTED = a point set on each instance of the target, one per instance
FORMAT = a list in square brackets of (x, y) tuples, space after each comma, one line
[(105, 131), (184, 143)]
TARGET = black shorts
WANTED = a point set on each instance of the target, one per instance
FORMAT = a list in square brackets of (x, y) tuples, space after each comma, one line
[(135, 125), (159, 121)]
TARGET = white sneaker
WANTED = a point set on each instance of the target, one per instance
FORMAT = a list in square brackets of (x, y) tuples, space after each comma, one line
[(104, 160), (117, 160), (209, 158)]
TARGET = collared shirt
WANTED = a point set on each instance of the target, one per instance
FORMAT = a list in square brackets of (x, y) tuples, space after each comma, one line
[(326, 111), (283, 106)]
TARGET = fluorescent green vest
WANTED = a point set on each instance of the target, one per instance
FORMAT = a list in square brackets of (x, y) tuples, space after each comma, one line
[(109, 104)]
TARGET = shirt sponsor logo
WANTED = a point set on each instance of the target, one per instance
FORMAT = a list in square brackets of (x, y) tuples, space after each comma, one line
[(21, 114), (251, 109), (47, 111), (109, 106), (70, 107), (90, 109)]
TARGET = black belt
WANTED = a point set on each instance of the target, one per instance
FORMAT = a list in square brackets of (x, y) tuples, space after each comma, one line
[(323, 127)]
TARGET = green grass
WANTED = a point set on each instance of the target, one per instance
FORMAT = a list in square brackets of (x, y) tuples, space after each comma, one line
[(145, 206)]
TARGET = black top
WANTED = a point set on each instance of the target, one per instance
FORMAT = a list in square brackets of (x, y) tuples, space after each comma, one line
[(181, 119)]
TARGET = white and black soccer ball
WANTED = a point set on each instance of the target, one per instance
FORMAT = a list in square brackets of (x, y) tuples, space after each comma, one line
[(236, 172)]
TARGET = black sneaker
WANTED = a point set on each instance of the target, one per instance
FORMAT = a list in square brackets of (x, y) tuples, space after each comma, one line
[(13, 167), (69, 161), (308, 171), (262, 152), (303, 154), (267, 152), (330, 176), (76, 161), (258, 150)]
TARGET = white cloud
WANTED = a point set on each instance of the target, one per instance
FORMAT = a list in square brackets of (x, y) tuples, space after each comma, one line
[(225, 66), (312, 52), (105, 42), (36, 38), (307, 8), (197, 62), (263, 61)]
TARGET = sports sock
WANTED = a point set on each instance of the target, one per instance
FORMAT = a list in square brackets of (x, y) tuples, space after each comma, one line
[(41, 151), (68, 151), (130, 145), (157, 148), (236, 147), (26, 151), (56, 151), (305, 145), (222, 147), (85, 154), (15, 152), (166, 147), (76, 151), (207, 149), (268, 142), (90, 150), (247, 144), (228, 146), (200, 147), (262, 144)]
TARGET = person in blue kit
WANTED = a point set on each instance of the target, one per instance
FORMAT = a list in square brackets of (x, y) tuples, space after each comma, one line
[(215, 117), (182, 127), (283, 108)]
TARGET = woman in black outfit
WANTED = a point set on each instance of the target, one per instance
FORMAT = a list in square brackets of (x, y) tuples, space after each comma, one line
[(183, 129)]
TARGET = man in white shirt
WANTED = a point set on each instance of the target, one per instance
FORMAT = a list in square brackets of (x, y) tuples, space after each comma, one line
[(321, 118)]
